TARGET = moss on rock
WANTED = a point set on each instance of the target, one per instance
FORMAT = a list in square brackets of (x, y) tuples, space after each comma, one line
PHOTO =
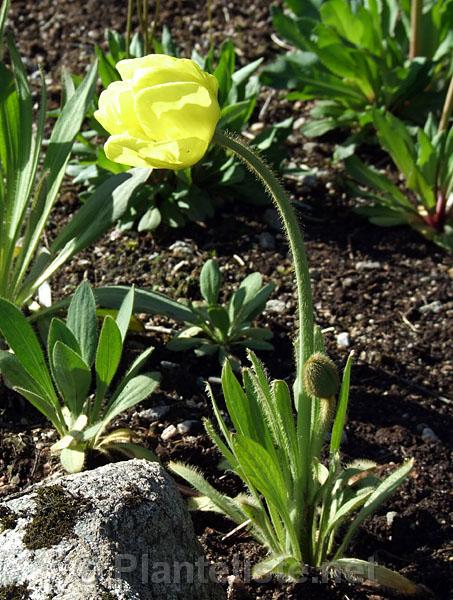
[(14, 592), (8, 519), (54, 520)]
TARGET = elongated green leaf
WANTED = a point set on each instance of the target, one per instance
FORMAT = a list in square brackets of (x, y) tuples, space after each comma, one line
[(3, 14), (16, 376), (145, 301), (227, 505), (340, 416), (72, 376), (265, 474), (210, 281), (219, 318), (131, 450), (58, 331), (43, 406), (108, 354), (125, 312), (82, 321), (23, 341), (57, 156), (382, 492), (378, 574), (107, 204), (239, 408), (137, 389)]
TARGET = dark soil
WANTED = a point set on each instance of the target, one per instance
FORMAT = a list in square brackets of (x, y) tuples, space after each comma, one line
[(387, 288)]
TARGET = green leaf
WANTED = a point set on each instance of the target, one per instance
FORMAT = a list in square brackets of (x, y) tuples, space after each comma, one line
[(107, 204), (375, 573), (108, 355), (59, 332), (21, 338), (225, 69), (145, 301), (125, 313), (340, 416), (72, 460), (381, 493), (82, 321), (150, 220), (227, 505), (210, 281), (220, 319), (264, 473), (72, 376), (136, 390)]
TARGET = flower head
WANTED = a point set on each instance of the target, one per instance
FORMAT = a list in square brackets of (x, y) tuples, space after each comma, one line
[(162, 114)]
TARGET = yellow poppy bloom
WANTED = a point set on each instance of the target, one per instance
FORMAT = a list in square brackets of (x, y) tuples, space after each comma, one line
[(161, 115)]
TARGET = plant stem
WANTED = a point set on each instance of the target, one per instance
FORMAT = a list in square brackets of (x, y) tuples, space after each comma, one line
[(305, 338), (145, 32), (129, 26), (448, 107), (211, 36), (416, 28), (152, 34)]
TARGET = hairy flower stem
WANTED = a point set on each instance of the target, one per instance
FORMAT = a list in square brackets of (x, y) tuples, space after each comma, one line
[(305, 340)]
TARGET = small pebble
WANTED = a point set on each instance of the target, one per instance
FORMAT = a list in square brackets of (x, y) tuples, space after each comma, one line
[(364, 265), (428, 435), (266, 241), (433, 307), (168, 433), (275, 306), (390, 516), (185, 426), (155, 413), (180, 247), (343, 340), (347, 282)]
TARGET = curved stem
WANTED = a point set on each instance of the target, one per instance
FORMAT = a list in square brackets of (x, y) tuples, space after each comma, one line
[(305, 338), (295, 238)]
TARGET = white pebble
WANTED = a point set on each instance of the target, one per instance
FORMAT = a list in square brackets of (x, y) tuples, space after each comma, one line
[(364, 265), (343, 340), (168, 433)]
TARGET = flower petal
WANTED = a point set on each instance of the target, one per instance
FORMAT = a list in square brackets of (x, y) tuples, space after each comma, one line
[(116, 111), (125, 149), (175, 111)]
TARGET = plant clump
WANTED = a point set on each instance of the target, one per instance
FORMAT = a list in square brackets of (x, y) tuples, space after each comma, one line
[(54, 520)]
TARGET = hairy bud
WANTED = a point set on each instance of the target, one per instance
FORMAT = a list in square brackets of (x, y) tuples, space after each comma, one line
[(320, 376)]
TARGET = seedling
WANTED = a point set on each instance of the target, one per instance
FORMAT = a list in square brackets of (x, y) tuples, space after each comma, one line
[(214, 327)]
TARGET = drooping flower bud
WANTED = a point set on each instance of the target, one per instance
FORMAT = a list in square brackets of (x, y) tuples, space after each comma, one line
[(320, 376)]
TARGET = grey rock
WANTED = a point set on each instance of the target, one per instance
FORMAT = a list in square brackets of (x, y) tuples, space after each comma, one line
[(131, 539), (275, 306)]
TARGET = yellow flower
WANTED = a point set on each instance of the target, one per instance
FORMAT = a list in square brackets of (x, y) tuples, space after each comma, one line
[(162, 114)]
